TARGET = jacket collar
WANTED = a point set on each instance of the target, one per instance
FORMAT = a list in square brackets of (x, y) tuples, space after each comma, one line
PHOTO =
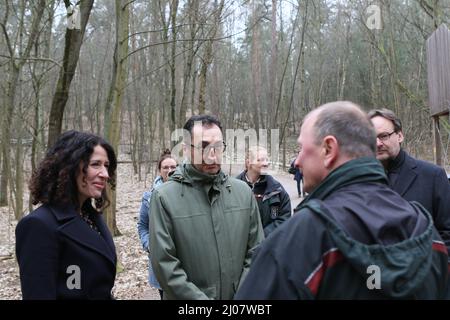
[(158, 180), (395, 164), (408, 174), (365, 169), (211, 184), (266, 182), (75, 228), (189, 174)]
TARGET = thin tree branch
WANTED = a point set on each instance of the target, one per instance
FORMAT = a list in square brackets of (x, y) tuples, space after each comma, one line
[(8, 41), (33, 59), (160, 30), (204, 40)]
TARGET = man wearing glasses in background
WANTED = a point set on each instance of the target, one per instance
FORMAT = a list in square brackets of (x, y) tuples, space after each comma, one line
[(413, 179), (204, 224)]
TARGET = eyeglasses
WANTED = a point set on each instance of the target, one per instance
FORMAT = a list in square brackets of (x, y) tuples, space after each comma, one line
[(206, 147), (385, 136), (169, 167)]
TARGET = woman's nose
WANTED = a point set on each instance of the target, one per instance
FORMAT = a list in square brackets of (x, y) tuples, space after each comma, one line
[(104, 172)]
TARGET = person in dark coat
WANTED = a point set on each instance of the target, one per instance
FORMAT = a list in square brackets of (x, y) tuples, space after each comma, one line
[(298, 177), (413, 179), (273, 201), (64, 248), (352, 237)]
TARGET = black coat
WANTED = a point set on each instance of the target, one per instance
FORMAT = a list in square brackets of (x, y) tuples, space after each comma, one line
[(54, 245), (427, 184), (349, 224), (273, 201)]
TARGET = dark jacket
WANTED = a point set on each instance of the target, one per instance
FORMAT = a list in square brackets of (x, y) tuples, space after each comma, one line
[(274, 203), (351, 225), (298, 175), (426, 183), (52, 243)]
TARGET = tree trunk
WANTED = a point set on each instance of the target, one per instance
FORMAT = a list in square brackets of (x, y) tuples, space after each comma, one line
[(164, 113), (256, 67), (207, 58), (273, 63), (298, 67), (15, 70), (116, 92), (173, 51), (191, 52), (280, 97), (73, 41), (10, 101), (18, 194)]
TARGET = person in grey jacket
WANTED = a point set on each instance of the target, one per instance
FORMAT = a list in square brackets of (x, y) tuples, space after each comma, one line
[(273, 201), (204, 224), (166, 165)]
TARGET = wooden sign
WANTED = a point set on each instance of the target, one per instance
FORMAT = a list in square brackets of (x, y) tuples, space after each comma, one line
[(438, 63)]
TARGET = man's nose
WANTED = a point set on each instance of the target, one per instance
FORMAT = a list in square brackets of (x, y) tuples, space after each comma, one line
[(297, 161), (211, 155), (379, 143)]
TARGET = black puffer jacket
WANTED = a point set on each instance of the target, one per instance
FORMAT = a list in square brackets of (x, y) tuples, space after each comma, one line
[(273, 201)]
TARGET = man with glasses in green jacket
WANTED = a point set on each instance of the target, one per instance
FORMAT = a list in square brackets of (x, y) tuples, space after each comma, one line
[(204, 224)]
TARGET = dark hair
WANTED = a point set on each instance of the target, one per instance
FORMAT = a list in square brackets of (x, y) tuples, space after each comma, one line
[(54, 181), (388, 115), (206, 120), (165, 155), (349, 125)]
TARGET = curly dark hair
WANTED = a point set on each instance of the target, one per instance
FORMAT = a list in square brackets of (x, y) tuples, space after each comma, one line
[(54, 181)]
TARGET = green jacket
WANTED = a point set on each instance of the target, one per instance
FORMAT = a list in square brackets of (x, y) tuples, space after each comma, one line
[(203, 230)]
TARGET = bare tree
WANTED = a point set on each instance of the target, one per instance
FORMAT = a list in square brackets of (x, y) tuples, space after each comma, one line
[(172, 63), (115, 98), (273, 62), (73, 40), (192, 49), (208, 56), (18, 56), (256, 65)]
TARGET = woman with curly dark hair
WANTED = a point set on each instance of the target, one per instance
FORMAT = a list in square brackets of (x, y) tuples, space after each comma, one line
[(64, 248)]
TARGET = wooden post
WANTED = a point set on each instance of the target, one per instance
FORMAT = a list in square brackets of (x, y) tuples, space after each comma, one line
[(437, 141)]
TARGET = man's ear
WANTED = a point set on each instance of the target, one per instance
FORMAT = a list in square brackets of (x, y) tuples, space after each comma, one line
[(330, 151), (186, 151), (400, 137)]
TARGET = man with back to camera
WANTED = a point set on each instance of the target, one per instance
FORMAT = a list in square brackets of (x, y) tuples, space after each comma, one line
[(413, 179), (352, 237), (204, 224)]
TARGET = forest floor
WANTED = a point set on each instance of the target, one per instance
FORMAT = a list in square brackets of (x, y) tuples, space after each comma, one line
[(131, 280)]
